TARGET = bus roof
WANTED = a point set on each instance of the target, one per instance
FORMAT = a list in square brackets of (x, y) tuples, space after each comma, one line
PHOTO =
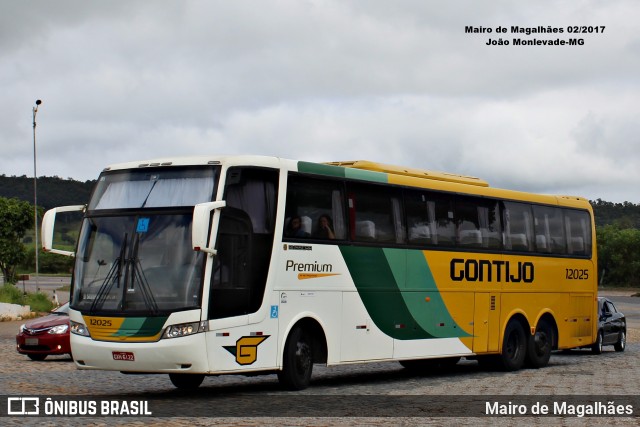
[(412, 172)]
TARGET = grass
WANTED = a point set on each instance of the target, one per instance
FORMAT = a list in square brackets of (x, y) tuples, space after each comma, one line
[(38, 301)]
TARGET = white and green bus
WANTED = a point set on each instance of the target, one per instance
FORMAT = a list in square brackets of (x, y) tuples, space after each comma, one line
[(246, 264)]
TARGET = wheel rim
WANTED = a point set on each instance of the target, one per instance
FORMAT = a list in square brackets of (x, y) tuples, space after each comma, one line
[(623, 340)]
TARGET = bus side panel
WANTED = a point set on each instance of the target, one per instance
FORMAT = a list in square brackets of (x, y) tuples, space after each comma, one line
[(486, 322), (243, 347), (361, 339)]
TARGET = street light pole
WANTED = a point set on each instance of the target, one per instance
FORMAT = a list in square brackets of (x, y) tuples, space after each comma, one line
[(35, 192)]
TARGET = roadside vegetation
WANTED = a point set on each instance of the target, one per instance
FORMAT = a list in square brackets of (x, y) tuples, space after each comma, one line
[(39, 301)]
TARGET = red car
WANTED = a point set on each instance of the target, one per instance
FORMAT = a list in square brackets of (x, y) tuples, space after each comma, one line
[(46, 335)]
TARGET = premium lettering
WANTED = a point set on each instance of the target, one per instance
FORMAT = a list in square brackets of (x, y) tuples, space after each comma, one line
[(314, 267)]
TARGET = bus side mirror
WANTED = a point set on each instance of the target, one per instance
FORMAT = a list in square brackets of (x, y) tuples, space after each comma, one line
[(48, 225), (200, 225)]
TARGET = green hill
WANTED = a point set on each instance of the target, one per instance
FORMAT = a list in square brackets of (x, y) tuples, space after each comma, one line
[(52, 191)]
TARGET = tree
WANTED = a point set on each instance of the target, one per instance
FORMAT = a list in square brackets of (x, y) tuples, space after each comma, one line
[(16, 217), (618, 255)]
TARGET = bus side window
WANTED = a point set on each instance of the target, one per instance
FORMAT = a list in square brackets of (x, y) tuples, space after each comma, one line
[(518, 228), (478, 222), (444, 219), (377, 213), (309, 199), (549, 229), (578, 229), (421, 227)]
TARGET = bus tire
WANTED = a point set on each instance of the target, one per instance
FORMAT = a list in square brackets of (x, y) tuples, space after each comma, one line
[(540, 345), (596, 347), (514, 347), (297, 360), (186, 381)]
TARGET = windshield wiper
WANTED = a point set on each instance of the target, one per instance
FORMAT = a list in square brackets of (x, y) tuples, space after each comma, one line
[(138, 276), (113, 276)]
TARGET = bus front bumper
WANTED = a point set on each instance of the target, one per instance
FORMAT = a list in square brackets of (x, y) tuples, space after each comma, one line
[(176, 355)]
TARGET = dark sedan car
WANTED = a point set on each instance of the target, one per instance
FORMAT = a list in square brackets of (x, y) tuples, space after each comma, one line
[(612, 327), (46, 335)]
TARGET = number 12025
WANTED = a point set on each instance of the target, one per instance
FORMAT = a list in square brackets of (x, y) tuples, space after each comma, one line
[(577, 274)]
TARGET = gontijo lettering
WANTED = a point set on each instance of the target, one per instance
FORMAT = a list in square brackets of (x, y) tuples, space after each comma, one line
[(482, 270)]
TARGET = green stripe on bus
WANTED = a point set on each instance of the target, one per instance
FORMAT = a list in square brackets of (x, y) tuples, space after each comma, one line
[(341, 172), (432, 315), (374, 278), (141, 327), (396, 299), (366, 175), (320, 169)]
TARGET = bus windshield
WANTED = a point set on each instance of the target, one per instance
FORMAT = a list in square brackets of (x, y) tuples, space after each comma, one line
[(134, 252), (153, 188)]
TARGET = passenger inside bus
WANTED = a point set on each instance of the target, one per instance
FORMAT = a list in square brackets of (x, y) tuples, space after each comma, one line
[(296, 228), (324, 229)]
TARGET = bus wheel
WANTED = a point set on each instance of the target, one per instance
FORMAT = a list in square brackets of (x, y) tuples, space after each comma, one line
[(540, 344), (186, 381), (596, 347), (622, 342), (297, 363), (514, 347)]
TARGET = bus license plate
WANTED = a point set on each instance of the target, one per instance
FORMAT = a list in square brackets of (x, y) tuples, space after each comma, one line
[(123, 355)]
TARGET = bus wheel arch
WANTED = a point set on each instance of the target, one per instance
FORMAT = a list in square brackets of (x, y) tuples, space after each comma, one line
[(542, 342), (304, 345)]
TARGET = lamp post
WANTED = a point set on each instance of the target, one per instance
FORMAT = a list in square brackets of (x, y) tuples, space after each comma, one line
[(35, 191)]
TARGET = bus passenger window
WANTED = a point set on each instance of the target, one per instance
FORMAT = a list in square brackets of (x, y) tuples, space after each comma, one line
[(549, 230), (518, 228), (478, 222), (311, 201), (377, 214), (578, 227)]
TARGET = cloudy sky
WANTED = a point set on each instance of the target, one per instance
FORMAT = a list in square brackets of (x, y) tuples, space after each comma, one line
[(399, 82)]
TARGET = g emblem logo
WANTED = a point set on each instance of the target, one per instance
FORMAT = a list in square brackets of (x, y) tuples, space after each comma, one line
[(246, 349)]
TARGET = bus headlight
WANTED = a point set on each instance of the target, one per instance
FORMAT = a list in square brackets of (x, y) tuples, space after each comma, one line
[(184, 329), (79, 329)]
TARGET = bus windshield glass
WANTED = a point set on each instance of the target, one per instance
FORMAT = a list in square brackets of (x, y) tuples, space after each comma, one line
[(153, 188), (134, 252)]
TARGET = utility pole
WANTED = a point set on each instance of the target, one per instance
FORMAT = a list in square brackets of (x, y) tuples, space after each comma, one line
[(35, 193)]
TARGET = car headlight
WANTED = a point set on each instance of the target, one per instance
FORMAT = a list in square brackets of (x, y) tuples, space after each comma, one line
[(184, 329), (60, 329), (22, 327), (79, 329)]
